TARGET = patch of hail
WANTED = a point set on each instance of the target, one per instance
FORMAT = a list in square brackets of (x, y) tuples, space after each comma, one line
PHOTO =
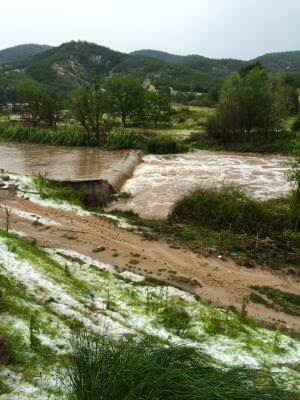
[(31, 216), (128, 306), (26, 188)]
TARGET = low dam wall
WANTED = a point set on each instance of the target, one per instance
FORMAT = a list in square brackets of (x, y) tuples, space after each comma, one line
[(98, 192)]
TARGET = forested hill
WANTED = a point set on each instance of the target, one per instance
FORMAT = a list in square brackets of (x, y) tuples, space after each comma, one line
[(277, 62), (78, 63), (21, 52)]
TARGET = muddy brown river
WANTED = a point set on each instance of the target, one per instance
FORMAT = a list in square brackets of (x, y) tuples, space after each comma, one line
[(58, 162), (159, 180)]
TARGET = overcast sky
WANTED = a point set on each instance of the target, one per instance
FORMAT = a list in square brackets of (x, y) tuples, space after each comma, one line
[(214, 28)]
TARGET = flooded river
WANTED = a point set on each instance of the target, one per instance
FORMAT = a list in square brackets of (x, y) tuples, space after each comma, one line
[(160, 180), (58, 162), (157, 182)]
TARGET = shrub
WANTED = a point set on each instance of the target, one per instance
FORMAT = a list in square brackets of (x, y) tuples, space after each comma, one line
[(102, 368), (296, 124), (229, 207), (162, 144)]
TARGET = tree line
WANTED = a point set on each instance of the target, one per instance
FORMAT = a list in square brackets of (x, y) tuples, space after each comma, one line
[(96, 107)]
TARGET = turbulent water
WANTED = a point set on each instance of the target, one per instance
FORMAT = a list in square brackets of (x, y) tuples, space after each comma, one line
[(157, 182), (58, 162), (160, 180)]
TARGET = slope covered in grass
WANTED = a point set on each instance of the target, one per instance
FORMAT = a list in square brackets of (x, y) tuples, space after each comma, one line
[(47, 295)]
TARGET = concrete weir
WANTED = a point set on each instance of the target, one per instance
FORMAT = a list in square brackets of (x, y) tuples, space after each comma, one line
[(98, 191)]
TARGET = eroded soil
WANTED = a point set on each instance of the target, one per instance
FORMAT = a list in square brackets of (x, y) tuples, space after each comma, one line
[(221, 282)]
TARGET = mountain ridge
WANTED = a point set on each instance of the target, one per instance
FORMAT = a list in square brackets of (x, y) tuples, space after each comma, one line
[(81, 63)]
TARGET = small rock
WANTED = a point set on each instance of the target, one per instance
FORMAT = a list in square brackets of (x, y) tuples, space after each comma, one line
[(5, 178), (31, 240), (4, 352), (2, 183)]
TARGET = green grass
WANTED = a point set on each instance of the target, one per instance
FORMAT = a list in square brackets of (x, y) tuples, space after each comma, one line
[(64, 136), (51, 190), (123, 139), (102, 368), (227, 222), (162, 144), (282, 143), (175, 318)]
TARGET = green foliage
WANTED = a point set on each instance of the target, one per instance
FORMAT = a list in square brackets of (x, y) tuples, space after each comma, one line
[(296, 124), (158, 106), (126, 97), (174, 317), (294, 177), (21, 52), (251, 108), (42, 105), (51, 190), (89, 106), (229, 207), (162, 144), (67, 136), (34, 330), (100, 367), (122, 139)]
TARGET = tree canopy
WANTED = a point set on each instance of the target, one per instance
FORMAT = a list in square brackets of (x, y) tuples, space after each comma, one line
[(252, 107), (126, 97)]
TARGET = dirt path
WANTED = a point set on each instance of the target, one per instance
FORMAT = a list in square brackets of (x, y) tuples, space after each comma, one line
[(221, 282)]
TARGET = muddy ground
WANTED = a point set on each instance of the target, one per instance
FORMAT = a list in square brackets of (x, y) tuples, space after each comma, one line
[(222, 282)]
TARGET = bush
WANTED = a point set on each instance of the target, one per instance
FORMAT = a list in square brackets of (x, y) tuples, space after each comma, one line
[(102, 368), (296, 124), (162, 144), (229, 207)]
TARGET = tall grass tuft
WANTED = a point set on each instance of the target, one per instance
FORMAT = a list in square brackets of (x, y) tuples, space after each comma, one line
[(162, 144), (64, 137), (103, 368), (122, 139)]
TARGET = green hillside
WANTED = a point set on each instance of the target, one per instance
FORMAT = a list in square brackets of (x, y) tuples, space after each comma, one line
[(78, 63), (276, 62), (21, 52)]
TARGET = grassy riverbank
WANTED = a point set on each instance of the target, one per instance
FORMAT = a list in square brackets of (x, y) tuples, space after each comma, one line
[(117, 139)]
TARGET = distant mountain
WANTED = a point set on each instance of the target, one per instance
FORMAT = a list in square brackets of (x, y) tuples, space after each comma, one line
[(199, 63), (78, 63), (21, 52), (72, 64), (276, 62), (285, 62)]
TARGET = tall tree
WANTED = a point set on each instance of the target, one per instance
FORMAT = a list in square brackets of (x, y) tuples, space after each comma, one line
[(126, 97), (34, 95), (90, 106), (252, 107), (158, 106), (51, 109)]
